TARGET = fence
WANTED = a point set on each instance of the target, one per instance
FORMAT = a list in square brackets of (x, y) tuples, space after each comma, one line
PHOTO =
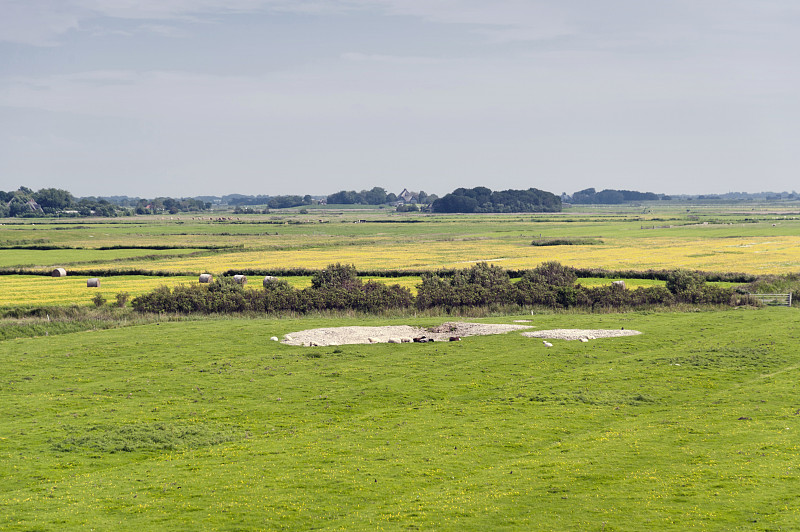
[(774, 299)]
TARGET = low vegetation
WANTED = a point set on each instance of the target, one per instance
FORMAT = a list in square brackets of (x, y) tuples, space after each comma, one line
[(209, 425), (338, 287)]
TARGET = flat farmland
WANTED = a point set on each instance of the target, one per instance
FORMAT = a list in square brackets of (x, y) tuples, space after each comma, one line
[(20, 290), (718, 241)]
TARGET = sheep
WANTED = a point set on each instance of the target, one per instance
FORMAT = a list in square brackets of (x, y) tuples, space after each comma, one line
[(547, 344), (274, 338)]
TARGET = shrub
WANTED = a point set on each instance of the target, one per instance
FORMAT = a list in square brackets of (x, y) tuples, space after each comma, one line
[(336, 276), (98, 300), (480, 285), (684, 281), (122, 299), (553, 273)]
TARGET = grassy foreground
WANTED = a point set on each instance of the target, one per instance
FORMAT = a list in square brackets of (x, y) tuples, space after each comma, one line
[(210, 425)]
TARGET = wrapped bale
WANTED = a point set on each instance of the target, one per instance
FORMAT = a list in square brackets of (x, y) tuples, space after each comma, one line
[(59, 272), (93, 283), (206, 278)]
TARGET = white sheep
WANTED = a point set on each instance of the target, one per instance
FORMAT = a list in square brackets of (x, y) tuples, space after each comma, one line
[(547, 344)]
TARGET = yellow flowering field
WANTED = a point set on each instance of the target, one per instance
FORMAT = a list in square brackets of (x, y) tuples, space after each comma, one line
[(780, 254), (42, 290)]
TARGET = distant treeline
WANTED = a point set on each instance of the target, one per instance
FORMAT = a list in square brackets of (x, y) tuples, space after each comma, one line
[(612, 197), (24, 202), (484, 200), (374, 196)]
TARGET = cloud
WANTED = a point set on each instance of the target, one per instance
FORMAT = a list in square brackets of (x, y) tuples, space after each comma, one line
[(615, 23), (44, 22), (36, 22), (391, 59)]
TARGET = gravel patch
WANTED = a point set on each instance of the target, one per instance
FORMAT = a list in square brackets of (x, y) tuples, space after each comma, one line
[(577, 334), (393, 333)]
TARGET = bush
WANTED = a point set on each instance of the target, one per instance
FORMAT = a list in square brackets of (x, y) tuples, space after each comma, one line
[(553, 273), (335, 288), (480, 285), (98, 300), (684, 280), (122, 299), (336, 276)]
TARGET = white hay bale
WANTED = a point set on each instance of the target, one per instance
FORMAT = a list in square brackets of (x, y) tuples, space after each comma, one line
[(94, 282), (206, 278), (620, 284), (240, 279), (59, 272), (269, 279)]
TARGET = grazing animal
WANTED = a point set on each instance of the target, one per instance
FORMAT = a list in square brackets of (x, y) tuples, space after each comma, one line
[(583, 339), (274, 338), (547, 344), (455, 338)]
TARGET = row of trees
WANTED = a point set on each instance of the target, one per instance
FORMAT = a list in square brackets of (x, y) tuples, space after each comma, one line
[(58, 202), (613, 197), (482, 199), (170, 205), (24, 202), (374, 196), (551, 285)]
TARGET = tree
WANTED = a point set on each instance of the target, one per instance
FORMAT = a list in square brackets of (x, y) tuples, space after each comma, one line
[(53, 199), (376, 196)]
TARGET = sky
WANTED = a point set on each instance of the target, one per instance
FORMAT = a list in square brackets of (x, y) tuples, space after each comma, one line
[(210, 97)]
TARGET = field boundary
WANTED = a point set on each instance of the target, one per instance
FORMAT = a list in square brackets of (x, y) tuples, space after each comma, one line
[(774, 299)]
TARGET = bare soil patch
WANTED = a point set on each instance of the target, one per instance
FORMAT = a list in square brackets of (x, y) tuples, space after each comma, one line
[(394, 333), (577, 334)]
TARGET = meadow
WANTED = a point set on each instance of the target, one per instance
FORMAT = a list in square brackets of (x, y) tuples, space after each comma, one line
[(209, 425), (117, 421), (730, 239)]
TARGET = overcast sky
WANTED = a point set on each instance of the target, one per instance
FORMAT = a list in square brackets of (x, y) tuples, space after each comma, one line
[(191, 97)]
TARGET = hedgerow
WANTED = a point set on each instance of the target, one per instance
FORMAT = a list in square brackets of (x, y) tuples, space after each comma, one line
[(338, 287)]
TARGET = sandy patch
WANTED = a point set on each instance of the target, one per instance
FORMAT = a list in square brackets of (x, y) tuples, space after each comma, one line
[(577, 334), (393, 333)]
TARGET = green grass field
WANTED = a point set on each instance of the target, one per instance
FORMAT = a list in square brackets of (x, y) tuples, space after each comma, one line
[(110, 420), (209, 425)]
